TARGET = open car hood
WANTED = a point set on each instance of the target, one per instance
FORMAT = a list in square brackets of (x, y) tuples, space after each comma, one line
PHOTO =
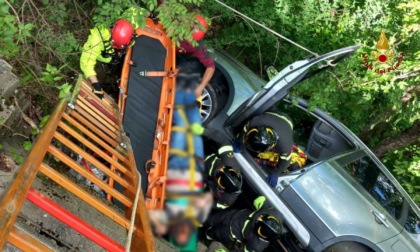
[(279, 86)]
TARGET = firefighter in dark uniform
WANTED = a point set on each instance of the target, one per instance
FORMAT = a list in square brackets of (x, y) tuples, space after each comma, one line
[(269, 137), (223, 171), (252, 229)]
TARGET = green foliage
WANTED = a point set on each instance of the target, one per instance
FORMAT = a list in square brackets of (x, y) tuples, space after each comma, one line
[(177, 17), (381, 105), (41, 125), (406, 168), (27, 146), (16, 156), (109, 11), (411, 18), (47, 38), (34, 132), (44, 121), (51, 74), (64, 90), (13, 31)]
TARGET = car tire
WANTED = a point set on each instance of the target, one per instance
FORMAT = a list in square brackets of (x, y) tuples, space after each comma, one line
[(209, 103), (215, 94), (347, 247)]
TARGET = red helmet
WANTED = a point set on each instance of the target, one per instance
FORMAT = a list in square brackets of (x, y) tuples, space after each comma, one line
[(121, 34), (198, 32)]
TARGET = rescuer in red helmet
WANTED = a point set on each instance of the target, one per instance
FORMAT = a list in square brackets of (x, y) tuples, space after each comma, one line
[(105, 45), (200, 52)]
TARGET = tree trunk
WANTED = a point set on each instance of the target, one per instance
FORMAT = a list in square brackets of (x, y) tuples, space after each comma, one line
[(410, 136)]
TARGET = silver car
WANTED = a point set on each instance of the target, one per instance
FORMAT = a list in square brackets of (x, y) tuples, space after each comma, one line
[(344, 199)]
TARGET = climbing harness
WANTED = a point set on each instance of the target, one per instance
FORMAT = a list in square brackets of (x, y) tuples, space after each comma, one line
[(298, 159)]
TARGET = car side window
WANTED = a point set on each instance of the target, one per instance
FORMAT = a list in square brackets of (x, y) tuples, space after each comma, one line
[(412, 223), (365, 171)]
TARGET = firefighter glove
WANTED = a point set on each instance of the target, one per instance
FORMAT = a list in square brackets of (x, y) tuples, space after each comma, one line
[(97, 90), (272, 180), (259, 202), (197, 129)]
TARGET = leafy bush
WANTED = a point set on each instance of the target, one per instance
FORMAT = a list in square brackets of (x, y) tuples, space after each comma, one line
[(13, 32), (406, 168), (378, 108), (41, 36), (177, 17)]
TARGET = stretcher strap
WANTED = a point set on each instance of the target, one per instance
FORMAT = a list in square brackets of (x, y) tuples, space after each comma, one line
[(170, 74)]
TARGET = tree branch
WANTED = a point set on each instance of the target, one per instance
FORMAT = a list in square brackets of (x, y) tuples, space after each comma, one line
[(406, 75), (410, 136)]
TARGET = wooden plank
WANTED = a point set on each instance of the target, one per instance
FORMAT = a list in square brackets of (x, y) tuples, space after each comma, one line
[(106, 102), (97, 124), (90, 159), (79, 117), (92, 107), (94, 112), (119, 153), (94, 148), (90, 176)]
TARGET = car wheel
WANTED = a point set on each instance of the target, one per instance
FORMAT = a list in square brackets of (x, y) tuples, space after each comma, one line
[(209, 103), (215, 93), (347, 247)]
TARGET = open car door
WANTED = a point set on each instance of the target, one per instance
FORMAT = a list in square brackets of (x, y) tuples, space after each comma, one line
[(277, 88)]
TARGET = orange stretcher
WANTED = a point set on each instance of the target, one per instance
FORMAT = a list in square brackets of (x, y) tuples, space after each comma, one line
[(147, 90)]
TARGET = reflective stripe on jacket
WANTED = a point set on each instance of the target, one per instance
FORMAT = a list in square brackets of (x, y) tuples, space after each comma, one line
[(97, 42), (282, 124)]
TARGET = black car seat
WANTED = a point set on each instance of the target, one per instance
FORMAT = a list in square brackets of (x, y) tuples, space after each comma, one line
[(325, 142)]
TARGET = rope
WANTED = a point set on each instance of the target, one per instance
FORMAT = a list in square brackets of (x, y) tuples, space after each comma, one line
[(133, 215), (266, 28)]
